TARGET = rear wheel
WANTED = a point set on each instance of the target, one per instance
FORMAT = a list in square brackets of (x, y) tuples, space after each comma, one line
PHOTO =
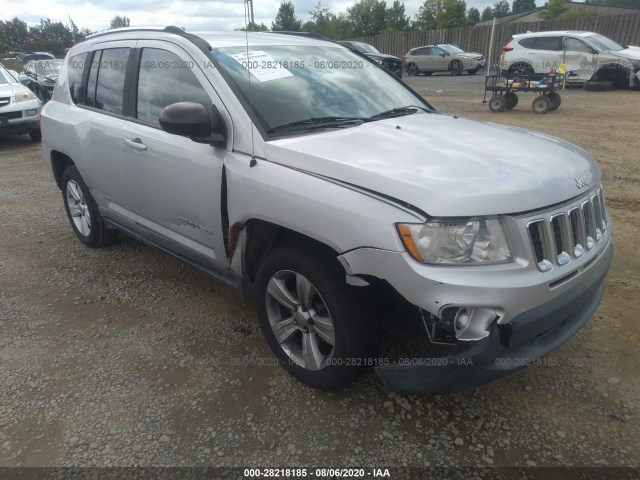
[(511, 100), (315, 324), (520, 70), (36, 135), (456, 67), (83, 213), (497, 103), (541, 104), (556, 100)]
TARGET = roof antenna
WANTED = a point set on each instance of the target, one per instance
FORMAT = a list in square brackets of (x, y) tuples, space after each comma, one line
[(248, 21)]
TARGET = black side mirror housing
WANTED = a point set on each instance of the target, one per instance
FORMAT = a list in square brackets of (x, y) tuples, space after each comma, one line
[(443, 54), (192, 119)]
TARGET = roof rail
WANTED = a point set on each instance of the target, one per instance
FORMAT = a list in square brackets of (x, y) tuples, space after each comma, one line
[(199, 42), (301, 34)]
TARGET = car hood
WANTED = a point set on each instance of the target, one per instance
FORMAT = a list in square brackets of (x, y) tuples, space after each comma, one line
[(445, 166), (381, 56), (630, 53), (10, 89)]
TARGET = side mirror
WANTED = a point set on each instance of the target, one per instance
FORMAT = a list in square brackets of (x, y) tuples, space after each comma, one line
[(23, 78), (191, 119), (443, 54)]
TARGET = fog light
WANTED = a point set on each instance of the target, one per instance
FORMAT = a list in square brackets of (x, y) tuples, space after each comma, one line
[(461, 321), (31, 113)]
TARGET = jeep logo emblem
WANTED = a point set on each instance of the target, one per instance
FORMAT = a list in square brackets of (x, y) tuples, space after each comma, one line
[(582, 182)]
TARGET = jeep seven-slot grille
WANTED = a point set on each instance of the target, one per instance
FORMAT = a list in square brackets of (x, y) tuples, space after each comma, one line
[(567, 235)]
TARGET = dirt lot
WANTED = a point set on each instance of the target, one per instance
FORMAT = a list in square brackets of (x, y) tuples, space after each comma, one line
[(123, 356)]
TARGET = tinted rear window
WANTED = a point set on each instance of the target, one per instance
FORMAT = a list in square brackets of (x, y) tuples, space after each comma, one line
[(111, 75), (75, 68), (548, 43)]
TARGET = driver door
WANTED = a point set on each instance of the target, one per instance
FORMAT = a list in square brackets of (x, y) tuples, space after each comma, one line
[(580, 58)]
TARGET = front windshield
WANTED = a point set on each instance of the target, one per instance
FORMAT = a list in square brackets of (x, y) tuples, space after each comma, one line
[(604, 43), (365, 48), (48, 67), (295, 83), (451, 49), (5, 77)]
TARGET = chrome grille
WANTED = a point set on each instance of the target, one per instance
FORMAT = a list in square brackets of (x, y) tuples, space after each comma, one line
[(567, 235)]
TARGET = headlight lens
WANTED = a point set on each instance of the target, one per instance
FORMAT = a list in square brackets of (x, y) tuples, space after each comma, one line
[(463, 242), (24, 96)]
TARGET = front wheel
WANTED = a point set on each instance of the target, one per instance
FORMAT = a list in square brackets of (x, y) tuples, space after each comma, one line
[(314, 322), (541, 104), (497, 103), (82, 210), (456, 67), (472, 71), (412, 70), (36, 135)]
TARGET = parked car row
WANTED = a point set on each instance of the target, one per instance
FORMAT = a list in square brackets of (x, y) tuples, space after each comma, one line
[(19, 107)]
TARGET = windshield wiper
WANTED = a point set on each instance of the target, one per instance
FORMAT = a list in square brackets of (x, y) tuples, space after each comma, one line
[(399, 112), (318, 122)]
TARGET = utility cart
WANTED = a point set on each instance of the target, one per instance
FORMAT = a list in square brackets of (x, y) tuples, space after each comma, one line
[(504, 91)]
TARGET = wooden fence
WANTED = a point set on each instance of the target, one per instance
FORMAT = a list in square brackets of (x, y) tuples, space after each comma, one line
[(624, 29)]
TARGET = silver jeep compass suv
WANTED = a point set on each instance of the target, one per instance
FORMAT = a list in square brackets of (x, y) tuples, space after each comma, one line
[(260, 160)]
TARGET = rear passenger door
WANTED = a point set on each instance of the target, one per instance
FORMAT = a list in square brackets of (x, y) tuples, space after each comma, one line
[(177, 191), (549, 54), (99, 122)]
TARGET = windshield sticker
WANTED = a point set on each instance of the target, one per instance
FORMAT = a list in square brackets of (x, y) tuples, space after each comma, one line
[(263, 66)]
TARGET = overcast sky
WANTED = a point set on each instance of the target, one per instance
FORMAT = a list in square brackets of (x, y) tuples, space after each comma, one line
[(191, 14)]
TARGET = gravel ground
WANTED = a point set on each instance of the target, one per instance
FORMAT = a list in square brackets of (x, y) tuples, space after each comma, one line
[(125, 357)]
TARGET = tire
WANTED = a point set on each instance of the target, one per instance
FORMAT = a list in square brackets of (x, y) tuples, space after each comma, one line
[(522, 70), (40, 94), (292, 272), (472, 71), (456, 67), (511, 100), (556, 100), (36, 135), (541, 104), (412, 70), (82, 211), (497, 103), (428, 74)]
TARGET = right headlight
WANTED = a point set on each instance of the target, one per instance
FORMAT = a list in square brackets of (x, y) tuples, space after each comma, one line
[(25, 96), (459, 242)]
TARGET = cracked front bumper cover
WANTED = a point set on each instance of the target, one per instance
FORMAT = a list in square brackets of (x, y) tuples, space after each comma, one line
[(531, 335)]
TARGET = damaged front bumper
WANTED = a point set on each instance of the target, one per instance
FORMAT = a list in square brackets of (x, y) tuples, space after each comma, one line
[(508, 347)]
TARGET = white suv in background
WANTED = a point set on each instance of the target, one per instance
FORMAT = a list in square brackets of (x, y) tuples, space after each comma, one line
[(590, 57), (19, 107)]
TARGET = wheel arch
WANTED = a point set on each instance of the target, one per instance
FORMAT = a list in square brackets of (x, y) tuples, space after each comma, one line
[(59, 163)]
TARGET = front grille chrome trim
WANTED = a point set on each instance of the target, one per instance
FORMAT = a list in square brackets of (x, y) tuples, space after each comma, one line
[(563, 236)]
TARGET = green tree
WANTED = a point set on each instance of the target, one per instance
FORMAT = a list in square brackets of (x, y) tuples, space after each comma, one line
[(473, 15), (555, 8), (487, 14), (395, 19), (50, 36), (13, 35), (425, 19), (253, 27), (501, 8), (367, 17), (119, 22), (453, 14), (286, 19), (523, 5)]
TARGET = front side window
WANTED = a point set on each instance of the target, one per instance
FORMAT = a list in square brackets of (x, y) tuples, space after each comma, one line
[(575, 45), (164, 79), (435, 51), (292, 83)]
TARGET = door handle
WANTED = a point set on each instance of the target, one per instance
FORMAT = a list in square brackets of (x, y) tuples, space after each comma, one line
[(135, 143)]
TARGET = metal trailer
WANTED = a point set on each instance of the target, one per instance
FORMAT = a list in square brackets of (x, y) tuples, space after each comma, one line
[(505, 89)]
